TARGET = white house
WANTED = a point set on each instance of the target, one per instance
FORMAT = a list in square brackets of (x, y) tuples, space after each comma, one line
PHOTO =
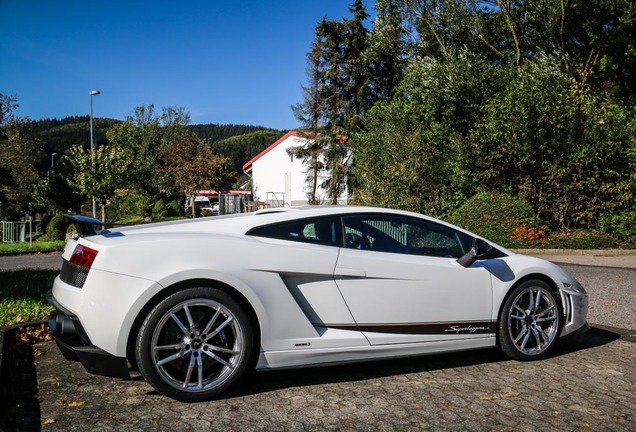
[(280, 179)]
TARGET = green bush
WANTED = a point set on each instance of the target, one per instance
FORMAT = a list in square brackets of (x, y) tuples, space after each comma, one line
[(174, 209), (131, 204), (44, 223), (501, 218), (56, 229), (159, 209), (622, 226)]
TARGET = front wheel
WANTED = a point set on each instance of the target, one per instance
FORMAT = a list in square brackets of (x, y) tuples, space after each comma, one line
[(530, 321), (195, 344)]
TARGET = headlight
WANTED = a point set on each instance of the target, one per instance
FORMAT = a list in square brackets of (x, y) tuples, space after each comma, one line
[(573, 287), (570, 284)]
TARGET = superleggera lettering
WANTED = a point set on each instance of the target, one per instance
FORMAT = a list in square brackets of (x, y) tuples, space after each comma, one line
[(469, 329)]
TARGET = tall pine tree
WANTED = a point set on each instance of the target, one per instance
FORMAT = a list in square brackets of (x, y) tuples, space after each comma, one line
[(333, 100)]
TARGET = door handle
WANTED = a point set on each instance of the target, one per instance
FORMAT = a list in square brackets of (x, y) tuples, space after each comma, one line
[(350, 272)]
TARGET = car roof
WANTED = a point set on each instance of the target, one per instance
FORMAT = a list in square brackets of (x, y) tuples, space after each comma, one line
[(242, 223)]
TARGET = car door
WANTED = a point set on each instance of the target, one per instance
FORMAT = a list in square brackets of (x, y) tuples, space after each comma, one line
[(303, 253), (400, 279)]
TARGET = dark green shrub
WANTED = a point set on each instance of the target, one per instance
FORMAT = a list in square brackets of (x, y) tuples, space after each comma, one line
[(131, 204), (56, 229), (44, 222), (622, 226), (501, 218), (135, 204), (159, 209), (581, 240), (174, 209)]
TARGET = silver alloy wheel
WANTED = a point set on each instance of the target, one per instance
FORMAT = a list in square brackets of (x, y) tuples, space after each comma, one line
[(197, 345), (533, 320)]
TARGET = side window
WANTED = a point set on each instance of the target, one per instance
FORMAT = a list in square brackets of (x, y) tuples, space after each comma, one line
[(324, 231), (400, 234)]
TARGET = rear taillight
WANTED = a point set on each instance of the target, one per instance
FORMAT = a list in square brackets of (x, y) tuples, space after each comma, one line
[(83, 256)]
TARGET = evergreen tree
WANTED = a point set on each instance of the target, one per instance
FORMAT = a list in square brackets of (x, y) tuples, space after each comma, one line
[(334, 100), (386, 53), (310, 114)]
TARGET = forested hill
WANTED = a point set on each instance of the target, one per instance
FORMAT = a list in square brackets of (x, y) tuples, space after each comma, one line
[(213, 133), (238, 142), (53, 135), (241, 148)]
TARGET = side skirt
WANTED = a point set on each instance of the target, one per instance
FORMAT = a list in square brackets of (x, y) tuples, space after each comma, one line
[(328, 356)]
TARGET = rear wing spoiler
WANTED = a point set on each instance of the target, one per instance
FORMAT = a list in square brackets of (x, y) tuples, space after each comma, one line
[(84, 225)]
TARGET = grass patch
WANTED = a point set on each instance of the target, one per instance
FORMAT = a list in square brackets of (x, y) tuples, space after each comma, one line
[(39, 246), (23, 295)]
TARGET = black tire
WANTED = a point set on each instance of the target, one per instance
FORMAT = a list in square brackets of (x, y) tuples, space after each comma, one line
[(530, 321), (206, 343)]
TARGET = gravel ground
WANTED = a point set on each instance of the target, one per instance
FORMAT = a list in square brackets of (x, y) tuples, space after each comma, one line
[(612, 294)]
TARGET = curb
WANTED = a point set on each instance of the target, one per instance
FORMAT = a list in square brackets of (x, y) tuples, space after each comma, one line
[(34, 253), (577, 252), (613, 258)]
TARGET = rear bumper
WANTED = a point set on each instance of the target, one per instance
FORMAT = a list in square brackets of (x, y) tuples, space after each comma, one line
[(75, 345)]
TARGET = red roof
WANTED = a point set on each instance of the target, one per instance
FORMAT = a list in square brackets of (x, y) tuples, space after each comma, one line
[(268, 149)]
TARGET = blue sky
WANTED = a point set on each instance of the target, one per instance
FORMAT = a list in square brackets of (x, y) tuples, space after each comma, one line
[(232, 61)]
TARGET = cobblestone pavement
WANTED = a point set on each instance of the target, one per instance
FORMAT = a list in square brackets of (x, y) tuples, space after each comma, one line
[(588, 384)]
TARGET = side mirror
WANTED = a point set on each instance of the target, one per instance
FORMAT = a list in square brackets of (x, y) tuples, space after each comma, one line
[(479, 249)]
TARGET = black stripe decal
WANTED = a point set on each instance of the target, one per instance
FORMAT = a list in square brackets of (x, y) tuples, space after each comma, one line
[(472, 327)]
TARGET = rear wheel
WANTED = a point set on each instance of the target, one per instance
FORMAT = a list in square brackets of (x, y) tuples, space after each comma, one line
[(195, 344), (530, 321)]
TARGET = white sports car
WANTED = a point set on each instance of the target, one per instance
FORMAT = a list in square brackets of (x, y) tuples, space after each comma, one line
[(196, 304)]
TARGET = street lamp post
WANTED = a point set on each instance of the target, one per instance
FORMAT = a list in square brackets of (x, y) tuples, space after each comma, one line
[(53, 159), (91, 94)]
